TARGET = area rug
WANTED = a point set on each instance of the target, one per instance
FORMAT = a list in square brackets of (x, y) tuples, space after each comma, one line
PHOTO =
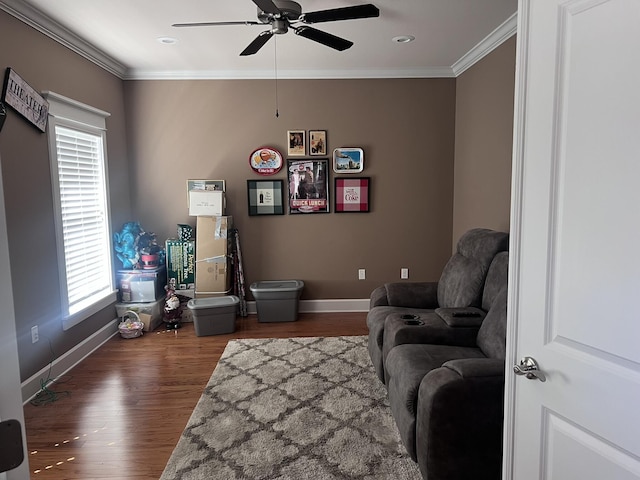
[(292, 409)]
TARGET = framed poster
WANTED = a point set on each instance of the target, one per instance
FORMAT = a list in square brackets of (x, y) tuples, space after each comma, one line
[(265, 197), (317, 142), (296, 143), (266, 161), (352, 194), (348, 160), (308, 185)]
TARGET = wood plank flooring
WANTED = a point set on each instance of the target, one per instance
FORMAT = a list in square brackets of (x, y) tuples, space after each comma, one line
[(128, 403)]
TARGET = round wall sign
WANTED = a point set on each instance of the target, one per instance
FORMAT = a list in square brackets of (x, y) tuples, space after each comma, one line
[(266, 161)]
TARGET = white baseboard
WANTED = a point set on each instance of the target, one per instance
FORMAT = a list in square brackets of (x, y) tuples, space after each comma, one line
[(70, 359), (331, 305)]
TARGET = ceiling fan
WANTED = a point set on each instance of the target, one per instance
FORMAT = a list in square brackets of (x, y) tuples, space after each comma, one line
[(285, 14)]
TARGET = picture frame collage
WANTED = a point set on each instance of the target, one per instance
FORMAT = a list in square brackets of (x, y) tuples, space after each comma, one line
[(307, 177)]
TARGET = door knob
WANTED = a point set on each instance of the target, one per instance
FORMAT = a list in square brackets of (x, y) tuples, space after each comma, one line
[(529, 368)]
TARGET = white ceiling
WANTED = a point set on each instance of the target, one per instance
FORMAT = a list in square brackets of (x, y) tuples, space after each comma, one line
[(121, 36)]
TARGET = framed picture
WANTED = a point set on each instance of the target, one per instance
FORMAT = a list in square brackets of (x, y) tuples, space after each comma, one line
[(265, 197), (352, 194), (348, 160), (317, 142), (296, 143), (308, 185), (266, 161)]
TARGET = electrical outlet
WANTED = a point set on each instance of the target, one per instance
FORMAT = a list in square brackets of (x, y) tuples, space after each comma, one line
[(34, 334), (404, 273), (362, 274)]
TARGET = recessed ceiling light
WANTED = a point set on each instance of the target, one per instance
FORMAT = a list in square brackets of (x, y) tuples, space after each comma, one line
[(167, 40), (404, 39)]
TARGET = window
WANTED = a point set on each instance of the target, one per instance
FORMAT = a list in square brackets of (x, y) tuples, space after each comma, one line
[(77, 150)]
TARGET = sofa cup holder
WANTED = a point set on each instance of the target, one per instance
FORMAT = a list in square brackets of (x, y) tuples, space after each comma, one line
[(410, 319)]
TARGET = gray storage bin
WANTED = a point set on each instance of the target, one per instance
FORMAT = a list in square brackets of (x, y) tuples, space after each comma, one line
[(215, 315), (277, 300)]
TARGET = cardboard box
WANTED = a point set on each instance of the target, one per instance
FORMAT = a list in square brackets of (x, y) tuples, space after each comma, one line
[(206, 202), (150, 314), (213, 249), (181, 263), (145, 285)]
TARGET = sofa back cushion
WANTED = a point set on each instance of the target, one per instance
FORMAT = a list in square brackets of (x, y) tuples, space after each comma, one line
[(462, 280), (496, 280), (492, 336)]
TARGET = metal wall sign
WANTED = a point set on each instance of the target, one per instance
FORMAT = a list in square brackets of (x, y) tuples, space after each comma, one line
[(19, 95)]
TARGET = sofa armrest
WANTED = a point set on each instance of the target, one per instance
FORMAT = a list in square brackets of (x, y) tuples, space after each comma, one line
[(412, 294), (460, 415), (378, 297), (468, 368), (462, 317)]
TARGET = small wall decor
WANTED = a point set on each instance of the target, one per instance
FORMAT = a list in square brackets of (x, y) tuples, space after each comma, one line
[(317, 142), (352, 194), (19, 95), (348, 160), (265, 197), (308, 186), (296, 143), (266, 161)]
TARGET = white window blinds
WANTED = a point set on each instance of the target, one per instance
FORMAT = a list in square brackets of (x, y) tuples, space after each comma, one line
[(83, 205), (79, 175)]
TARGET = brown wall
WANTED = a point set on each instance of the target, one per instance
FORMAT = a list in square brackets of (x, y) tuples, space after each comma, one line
[(46, 65), (484, 124), (208, 129)]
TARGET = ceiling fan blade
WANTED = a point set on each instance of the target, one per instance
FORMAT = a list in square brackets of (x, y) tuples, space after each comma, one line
[(257, 43), (323, 38), (210, 24), (267, 6), (346, 13)]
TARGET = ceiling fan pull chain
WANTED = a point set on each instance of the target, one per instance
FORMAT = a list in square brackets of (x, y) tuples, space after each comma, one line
[(275, 56)]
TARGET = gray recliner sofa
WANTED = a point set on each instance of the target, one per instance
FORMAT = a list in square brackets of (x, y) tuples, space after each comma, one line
[(447, 399), (459, 289)]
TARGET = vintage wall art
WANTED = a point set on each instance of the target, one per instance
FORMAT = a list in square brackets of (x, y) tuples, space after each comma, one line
[(296, 146), (352, 194), (317, 142), (308, 185), (265, 197), (266, 161), (348, 160)]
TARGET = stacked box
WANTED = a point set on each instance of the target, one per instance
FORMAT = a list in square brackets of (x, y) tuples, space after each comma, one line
[(206, 202), (145, 285), (213, 249), (150, 314), (181, 257)]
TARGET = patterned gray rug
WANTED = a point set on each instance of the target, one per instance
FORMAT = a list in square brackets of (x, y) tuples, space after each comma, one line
[(292, 409)]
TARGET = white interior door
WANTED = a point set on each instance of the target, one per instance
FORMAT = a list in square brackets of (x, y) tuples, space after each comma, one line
[(10, 392), (575, 259)]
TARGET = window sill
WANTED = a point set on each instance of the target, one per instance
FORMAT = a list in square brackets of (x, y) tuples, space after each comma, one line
[(100, 304)]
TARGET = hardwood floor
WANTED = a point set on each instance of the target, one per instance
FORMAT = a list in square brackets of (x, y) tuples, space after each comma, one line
[(128, 403)]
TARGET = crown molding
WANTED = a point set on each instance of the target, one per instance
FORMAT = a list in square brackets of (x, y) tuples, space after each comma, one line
[(487, 45), (434, 72), (40, 22)]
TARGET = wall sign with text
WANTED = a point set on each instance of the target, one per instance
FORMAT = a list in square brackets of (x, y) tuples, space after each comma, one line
[(20, 96)]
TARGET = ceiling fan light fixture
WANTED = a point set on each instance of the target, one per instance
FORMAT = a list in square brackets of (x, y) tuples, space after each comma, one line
[(403, 39)]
